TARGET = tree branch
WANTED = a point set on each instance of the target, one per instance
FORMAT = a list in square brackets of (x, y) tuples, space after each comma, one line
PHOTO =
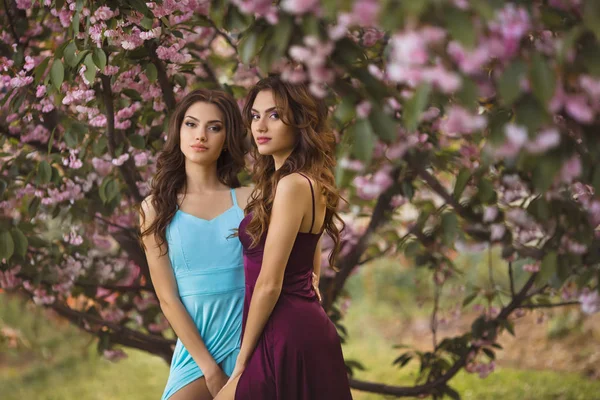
[(352, 259), (128, 168), (427, 388), (163, 78), (550, 305), (120, 335)]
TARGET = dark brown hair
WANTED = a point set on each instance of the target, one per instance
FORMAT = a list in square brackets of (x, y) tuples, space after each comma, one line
[(313, 155), (170, 178)]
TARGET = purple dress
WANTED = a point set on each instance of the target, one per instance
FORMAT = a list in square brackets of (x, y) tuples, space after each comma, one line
[(299, 354)]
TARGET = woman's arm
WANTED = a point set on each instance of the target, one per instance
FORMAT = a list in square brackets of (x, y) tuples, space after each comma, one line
[(165, 286), (286, 218), (317, 269)]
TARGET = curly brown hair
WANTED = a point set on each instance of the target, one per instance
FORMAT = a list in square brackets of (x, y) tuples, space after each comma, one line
[(170, 178), (313, 155)]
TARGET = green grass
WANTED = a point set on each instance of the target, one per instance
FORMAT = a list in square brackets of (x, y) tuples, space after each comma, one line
[(58, 361)]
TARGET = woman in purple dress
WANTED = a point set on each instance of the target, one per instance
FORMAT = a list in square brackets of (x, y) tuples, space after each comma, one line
[(290, 349)]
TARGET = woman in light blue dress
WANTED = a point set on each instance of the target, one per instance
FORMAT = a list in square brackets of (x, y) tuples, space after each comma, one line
[(187, 223)]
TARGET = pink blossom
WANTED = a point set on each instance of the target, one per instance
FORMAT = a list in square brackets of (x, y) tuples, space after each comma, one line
[(120, 160), (365, 12), (512, 23), (300, 6), (102, 167), (372, 36), (9, 279), (114, 355), (369, 188), (40, 91), (578, 107), (98, 121), (430, 114), (460, 121), (470, 62), (141, 159), (591, 86), (545, 140), (566, 5), (590, 301), (516, 134), (103, 13), (20, 81), (570, 169), (352, 165), (490, 213), (497, 232), (531, 268), (24, 4), (29, 63), (151, 34), (72, 161), (363, 109), (446, 81)]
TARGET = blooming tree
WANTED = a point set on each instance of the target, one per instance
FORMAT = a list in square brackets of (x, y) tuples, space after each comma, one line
[(478, 117)]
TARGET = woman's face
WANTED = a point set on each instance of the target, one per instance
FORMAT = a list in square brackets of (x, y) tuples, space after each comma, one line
[(271, 135), (202, 133)]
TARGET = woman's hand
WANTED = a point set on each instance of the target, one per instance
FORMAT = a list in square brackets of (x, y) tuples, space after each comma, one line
[(315, 285), (237, 371), (215, 381)]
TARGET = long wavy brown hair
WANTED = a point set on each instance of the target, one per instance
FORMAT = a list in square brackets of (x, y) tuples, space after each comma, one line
[(313, 155), (170, 178)]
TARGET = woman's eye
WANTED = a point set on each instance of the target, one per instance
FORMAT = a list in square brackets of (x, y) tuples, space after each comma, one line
[(255, 117), (215, 128), (274, 116), (190, 124)]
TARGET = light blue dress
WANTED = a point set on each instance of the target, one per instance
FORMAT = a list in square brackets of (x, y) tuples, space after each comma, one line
[(209, 270)]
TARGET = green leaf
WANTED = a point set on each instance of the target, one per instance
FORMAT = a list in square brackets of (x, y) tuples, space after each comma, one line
[(133, 94), (99, 58), (449, 227), (415, 106), (383, 124), (531, 113), (509, 85), (548, 268), (44, 172), (591, 17), (20, 241), (7, 245), (283, 32), (39, 71), (70, 54), (461, 182), (543, 80), (345, 111), (151, 72), (248, 47), (99, 147), (33, 206), (57, 73), (544, 172), (137, 141), (147, 23), (268, 55), (469, 299), (90, 69), (468, 94), (485, 191), (108, 190), (3, 186), (461, 27), (363, 140)]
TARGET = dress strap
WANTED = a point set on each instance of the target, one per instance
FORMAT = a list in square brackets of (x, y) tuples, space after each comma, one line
[(312, 193), (234, 197)]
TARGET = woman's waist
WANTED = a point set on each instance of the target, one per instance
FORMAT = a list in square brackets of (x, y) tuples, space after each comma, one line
[(209, 281)]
